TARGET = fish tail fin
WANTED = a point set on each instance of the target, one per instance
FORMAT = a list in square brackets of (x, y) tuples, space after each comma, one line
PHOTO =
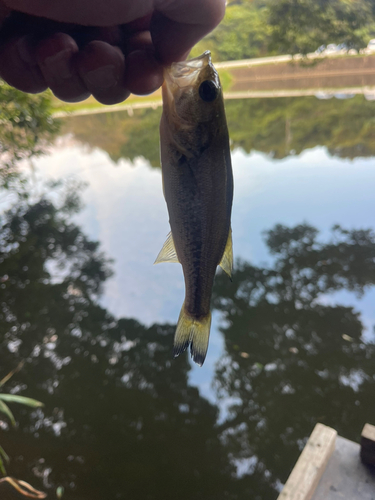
[(193, 332)]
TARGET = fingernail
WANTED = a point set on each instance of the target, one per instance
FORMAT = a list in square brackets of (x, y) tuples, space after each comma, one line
[(102, 78), (59, 65), (25, 51)]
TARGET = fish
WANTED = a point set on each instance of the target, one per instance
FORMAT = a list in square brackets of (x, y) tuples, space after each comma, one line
[(198, 190)]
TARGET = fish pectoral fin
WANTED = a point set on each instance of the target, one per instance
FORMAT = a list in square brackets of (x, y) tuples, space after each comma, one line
[(168, 252), (193, 332), (227, 260)]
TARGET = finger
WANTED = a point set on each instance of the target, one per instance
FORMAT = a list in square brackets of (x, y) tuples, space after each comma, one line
[(143, 73), (85, 12), (179, 24), (102, 69), (55, 57), (139, 41), (19, 67), (18, 24)]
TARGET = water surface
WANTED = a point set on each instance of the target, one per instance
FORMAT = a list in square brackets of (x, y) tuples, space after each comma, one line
[(292, 341)]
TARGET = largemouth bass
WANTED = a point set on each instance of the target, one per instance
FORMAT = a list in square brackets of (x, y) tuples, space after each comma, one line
[(198, 189)]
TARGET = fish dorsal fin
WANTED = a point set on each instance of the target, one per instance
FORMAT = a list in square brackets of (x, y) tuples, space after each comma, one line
[(168, 252), (227, 260)]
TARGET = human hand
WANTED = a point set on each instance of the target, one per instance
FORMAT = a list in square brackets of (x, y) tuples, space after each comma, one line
[(107, 48)]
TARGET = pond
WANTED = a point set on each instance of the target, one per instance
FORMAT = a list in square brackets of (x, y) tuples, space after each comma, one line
[(293, 335)]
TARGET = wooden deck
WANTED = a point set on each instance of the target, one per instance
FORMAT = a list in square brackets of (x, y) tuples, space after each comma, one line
[(331, 467)]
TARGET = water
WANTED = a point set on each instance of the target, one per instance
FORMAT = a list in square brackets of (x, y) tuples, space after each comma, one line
[(292, 341)]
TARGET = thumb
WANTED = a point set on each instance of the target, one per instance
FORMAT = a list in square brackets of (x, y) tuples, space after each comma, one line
[(178, 25)]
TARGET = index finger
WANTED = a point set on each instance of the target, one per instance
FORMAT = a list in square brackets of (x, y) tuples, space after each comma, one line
[(177, 25)]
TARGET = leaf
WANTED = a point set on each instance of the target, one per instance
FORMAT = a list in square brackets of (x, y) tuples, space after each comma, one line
[(3, 454), (4, 409), (2, 468), (11, 373), (12, 398)]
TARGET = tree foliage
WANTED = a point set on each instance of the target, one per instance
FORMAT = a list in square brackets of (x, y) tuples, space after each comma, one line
[(243, 33), (301, 26), (26, 129), (257, 28)]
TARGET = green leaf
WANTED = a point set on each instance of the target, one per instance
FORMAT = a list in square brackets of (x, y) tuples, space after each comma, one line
[(11, 373), (3, 458), (2, 468), (12, 398), (3, 454), (4, 409)]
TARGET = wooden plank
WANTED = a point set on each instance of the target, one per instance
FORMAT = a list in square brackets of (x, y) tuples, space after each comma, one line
[(310, 466), (345, 476), (368, 444)]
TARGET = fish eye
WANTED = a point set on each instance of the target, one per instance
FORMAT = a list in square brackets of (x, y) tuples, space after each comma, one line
[(208, 91)]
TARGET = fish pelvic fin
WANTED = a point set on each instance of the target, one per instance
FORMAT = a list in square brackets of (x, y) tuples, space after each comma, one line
[(193, 332), (168, 252), (226, 262)]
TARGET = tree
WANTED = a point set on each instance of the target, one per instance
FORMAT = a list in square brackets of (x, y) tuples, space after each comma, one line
[(301, 26), (242, 34), (26, 129), (255, 28)]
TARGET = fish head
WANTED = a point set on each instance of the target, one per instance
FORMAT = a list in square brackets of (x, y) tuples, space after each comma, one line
[(192, 93)]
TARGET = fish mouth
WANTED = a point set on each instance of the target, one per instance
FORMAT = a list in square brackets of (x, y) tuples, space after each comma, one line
[(185, 73)]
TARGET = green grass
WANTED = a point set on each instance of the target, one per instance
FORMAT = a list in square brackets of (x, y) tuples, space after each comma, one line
[(92, 103), (226, 78)]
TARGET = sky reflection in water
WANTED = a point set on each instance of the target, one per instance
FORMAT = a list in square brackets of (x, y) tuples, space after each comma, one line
[(126, 212)]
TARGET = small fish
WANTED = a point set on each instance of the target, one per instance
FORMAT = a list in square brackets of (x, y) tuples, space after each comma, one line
[(198, 189)]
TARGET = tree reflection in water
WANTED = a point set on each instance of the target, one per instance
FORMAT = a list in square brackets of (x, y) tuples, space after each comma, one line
[(121, 420), (293, 359), (279, 127)]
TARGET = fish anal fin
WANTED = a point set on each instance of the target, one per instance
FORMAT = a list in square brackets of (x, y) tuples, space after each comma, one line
[(168, 252), (226, 262), (193, 332)]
